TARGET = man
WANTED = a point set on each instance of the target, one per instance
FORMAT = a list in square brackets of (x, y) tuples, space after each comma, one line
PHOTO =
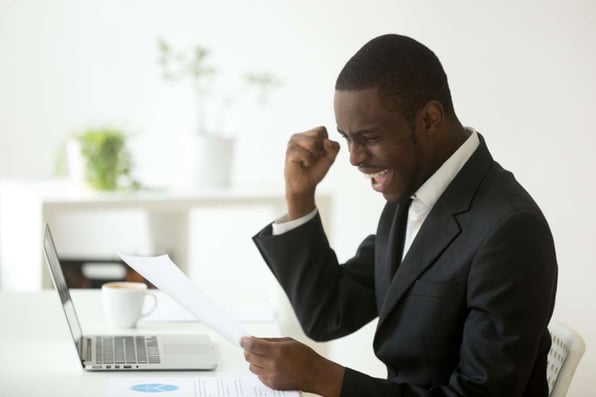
[(462, 280)]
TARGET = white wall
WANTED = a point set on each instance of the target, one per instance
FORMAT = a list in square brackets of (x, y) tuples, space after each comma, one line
[(520, 72)]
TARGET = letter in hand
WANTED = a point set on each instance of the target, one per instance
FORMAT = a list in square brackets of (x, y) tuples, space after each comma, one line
[(309, 156), (285, 364)]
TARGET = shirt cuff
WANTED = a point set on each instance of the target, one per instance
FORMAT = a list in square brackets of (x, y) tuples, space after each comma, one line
[(282, 225)]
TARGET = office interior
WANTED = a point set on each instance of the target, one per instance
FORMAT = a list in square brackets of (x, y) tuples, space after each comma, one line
[(521, 73)]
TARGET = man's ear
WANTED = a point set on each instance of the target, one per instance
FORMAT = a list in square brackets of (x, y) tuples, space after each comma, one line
[(432, 116)]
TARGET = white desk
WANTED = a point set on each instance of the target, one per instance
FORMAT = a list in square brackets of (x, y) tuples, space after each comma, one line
[(33, 325), (25, 206)]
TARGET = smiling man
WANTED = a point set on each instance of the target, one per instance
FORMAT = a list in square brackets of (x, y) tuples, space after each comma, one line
[(461, 272)]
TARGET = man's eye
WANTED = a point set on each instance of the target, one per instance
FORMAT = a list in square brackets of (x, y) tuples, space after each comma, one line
[(370, 138)]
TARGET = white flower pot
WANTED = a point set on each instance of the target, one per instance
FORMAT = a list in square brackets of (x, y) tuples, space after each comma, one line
[(75, 162), (208, 159)]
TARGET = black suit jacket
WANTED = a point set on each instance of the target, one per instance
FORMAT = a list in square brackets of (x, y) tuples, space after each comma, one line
[(467, 311)]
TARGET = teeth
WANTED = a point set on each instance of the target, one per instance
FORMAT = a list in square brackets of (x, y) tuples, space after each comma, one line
[(376, 174)]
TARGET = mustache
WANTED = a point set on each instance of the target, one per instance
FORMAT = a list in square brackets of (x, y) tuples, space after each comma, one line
[(365, 166)]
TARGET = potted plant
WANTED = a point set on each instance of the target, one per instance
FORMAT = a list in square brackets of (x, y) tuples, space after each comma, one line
[(211, 150), (100, 158)]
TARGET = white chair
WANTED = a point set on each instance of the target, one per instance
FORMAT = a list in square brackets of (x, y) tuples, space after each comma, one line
[(565, 352)]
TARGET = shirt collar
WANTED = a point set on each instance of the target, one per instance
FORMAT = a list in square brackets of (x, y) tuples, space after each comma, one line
[(427, 195)]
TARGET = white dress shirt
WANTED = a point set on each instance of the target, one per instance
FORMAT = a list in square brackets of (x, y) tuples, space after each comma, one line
[(423, 200)]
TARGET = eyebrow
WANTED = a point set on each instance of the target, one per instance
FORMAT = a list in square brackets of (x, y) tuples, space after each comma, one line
[(360, 132)]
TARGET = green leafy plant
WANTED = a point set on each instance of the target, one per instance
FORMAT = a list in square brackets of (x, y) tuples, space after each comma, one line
[(107, 160)]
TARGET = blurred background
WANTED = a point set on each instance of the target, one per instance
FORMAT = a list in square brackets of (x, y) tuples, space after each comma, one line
[(522, 73)]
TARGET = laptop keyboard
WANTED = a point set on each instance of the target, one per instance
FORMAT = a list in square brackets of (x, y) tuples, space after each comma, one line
[(126, 350)]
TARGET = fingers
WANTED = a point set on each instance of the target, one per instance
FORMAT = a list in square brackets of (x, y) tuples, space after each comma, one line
[(268, 361), (286, 364), (304, 153), (258, 362), (309, 146), (260, 353), (317, 132), (284, 339), (253, 348), (257, 353), (331, 150), (261, 346), (309, 157)]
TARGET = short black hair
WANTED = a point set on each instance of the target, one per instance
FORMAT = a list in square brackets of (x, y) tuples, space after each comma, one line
[(406, 73)]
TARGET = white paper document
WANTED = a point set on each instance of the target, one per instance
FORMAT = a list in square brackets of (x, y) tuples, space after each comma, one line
[(165, 275), (242, 386), (169, 310)]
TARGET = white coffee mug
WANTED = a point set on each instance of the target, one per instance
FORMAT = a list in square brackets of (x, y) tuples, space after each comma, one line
[(123, 303)]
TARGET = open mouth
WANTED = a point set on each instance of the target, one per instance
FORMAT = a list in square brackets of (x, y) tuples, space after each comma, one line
[(380, 180)]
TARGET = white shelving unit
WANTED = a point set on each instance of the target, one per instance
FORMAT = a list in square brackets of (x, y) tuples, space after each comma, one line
[(25, 207)]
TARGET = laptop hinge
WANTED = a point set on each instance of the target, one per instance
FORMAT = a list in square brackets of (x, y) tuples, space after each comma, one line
[(86, 350)]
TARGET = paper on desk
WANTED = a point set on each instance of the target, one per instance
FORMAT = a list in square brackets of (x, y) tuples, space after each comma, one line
[(194, 387), (165, 275)]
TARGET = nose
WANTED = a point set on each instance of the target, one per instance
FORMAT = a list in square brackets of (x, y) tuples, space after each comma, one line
[(358, 153)]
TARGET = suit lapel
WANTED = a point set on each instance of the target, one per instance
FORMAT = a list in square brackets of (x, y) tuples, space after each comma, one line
[(438, 230), (384, 251)]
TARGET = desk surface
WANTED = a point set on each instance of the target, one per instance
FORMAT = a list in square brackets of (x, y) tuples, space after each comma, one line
[(38, 357)]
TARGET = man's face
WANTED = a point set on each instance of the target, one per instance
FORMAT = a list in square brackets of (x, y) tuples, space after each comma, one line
[(382, 144)]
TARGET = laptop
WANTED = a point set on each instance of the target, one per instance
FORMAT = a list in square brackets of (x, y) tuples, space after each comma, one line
[(127, 352)]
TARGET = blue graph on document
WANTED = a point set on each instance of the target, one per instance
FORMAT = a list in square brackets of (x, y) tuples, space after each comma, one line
[(153, 388)]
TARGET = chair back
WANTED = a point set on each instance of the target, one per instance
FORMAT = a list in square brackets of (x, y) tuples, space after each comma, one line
[(566, 350)]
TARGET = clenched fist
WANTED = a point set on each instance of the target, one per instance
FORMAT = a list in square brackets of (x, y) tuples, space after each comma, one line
[(308, 158)]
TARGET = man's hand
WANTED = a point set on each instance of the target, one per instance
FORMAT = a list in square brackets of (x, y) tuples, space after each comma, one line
[(285, 364), (308, 158)]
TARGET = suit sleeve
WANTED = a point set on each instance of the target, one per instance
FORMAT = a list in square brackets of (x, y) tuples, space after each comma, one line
[(509, 297), (511, 293), (330, 300)]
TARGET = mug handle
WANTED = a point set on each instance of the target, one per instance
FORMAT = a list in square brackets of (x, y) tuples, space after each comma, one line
[(153, 307)]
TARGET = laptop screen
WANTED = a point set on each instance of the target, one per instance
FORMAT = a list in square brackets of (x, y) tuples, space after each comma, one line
[(60, 284)]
